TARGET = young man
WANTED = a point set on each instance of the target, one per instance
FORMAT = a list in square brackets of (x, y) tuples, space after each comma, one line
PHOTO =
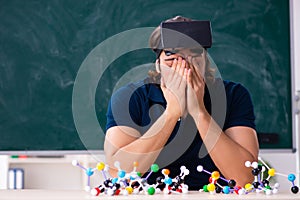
[(187, 117)]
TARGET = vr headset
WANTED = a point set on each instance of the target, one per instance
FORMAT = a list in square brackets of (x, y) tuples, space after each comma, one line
[(191, 34)]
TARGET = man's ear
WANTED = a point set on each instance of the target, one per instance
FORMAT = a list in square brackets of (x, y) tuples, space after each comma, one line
[(157, 65)]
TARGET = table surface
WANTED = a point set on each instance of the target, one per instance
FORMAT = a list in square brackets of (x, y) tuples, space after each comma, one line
[(80, 194)]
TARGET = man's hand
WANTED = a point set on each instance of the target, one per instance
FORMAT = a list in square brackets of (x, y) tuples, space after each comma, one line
[(173, 85), (196, 85)]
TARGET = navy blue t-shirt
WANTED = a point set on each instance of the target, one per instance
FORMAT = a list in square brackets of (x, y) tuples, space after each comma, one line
[(139, 105)]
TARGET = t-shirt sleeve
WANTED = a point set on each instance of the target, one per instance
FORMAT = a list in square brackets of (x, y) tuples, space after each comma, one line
[(121, 105), (240, 108)]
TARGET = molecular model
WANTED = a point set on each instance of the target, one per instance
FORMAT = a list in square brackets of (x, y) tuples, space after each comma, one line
[(261, 184), (214, 187), (132, 182), (258, 185), (175, 185), (88, 171)]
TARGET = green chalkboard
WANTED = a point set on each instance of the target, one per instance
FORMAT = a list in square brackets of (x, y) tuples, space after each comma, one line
[(46, 45)]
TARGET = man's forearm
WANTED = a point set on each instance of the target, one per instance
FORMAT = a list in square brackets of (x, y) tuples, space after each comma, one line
[(227, 155), (146, 148)]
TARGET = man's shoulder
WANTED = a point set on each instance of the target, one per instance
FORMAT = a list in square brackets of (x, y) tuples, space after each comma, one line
[(140, 88), (234, 87)]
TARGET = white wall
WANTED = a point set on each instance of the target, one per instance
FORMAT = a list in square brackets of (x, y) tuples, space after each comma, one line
[(3, 171)]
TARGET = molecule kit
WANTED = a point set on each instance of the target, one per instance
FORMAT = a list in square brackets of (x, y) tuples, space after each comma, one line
[(133, 183)]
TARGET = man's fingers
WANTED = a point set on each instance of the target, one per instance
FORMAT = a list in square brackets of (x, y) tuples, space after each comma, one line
[(189, 78), (179, 62), (197, 75), (182, 68), (174, 64)]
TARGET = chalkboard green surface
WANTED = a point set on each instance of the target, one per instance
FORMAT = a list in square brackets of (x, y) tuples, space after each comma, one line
[(44, 43)]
